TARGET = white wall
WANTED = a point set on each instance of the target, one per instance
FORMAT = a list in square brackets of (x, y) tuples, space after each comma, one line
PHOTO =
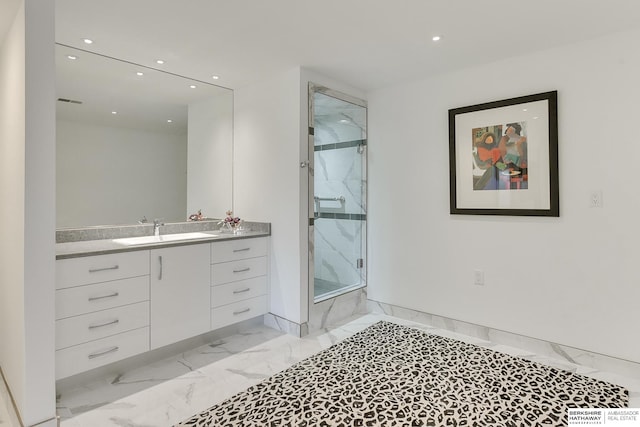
[(270, 141), (12, 169), (27, 219), (267, 177), (571, 280), (108, 175), (210, 156)]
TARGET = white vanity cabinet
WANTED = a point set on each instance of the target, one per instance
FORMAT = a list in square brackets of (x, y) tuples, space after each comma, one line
[(179, 293), (113, 306), (238, 281), (102, 310)]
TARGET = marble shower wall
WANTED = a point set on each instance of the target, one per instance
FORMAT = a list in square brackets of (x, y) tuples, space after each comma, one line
[(337, 249), (339, 172)]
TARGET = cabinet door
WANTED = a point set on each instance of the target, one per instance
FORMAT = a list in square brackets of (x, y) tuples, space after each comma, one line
[(180, 293)]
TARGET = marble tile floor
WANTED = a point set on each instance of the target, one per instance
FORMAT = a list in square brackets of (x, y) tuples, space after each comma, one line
[(174, 389)]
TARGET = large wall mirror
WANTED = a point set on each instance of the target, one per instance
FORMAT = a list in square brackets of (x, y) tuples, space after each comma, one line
[(135, 142)]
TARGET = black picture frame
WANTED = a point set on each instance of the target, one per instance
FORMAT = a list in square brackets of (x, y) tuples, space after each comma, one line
[(515, 172)]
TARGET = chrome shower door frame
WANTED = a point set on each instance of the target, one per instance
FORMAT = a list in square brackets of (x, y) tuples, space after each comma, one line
[(312, 199)]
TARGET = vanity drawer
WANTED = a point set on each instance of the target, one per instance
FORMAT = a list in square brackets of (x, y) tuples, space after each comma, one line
[(232, 250), (83, 357), (101, 296), (237, 312), (238, 270), (229, 293), (101, 268), (93, 326)]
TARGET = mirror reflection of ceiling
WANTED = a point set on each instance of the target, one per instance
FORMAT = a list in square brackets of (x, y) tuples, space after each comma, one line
[(103, 91)]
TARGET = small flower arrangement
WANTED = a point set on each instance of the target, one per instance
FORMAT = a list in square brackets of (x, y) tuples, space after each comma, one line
[(230, 222), (197, 216)]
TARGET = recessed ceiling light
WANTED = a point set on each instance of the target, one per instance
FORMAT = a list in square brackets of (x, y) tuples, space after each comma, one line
[(160, 61), (524, 109), (435, 38), (535, 118), (88, 41), (140, 73), (344, 121), (114, 112), (72, 57), (169, 121), (193, 86), (215, 77)]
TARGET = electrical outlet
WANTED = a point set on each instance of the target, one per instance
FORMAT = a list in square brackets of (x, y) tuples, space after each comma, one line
[(478, 277), (595, 199)]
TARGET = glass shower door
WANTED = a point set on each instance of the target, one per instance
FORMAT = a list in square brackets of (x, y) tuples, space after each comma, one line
[(338, 185)]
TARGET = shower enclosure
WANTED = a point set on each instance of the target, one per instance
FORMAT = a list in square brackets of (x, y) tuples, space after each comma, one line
[(337, 189)]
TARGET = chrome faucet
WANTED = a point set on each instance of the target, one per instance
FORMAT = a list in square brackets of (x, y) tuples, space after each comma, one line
[(157, 223)]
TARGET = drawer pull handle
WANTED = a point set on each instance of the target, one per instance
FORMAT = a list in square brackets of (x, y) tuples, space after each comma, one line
[(243, 270), (113, 322), (95, 270), (115, 294), (241, 250), (246, 310), (102, 353), (240, 291)]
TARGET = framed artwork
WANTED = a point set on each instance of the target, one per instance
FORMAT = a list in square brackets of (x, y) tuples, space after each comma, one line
[(503, 157)]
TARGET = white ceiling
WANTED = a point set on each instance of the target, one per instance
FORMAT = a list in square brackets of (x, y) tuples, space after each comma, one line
[(367, 44)]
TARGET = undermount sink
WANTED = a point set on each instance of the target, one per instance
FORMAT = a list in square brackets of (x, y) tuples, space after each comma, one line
[(145, 240)]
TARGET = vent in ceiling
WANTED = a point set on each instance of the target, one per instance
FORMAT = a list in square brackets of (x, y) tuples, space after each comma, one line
[(71, 101)]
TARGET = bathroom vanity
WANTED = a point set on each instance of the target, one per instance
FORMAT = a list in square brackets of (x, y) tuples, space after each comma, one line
[(122, 290), (117, 300)]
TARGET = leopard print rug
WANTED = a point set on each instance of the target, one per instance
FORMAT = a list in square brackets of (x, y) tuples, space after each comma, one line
[(392, 375)]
